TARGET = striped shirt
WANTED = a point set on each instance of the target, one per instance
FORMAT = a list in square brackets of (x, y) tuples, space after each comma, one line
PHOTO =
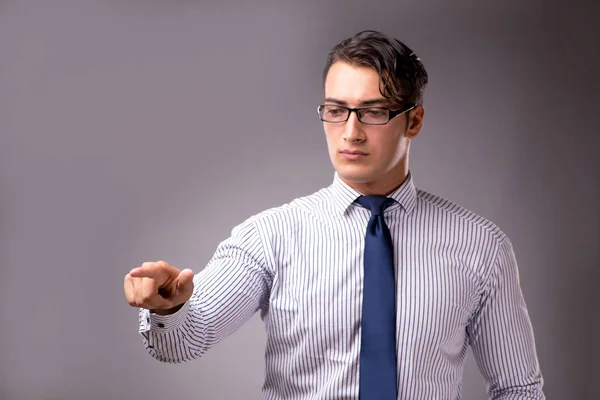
[(301, 266)]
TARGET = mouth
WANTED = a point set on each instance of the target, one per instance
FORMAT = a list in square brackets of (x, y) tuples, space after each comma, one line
[(353, 155), (354, 152)]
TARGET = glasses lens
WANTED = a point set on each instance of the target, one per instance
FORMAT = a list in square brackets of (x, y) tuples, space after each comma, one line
[(333, 113), (374, 115)]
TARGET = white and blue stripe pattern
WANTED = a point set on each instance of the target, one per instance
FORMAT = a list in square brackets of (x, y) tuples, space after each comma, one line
[(301, 266)]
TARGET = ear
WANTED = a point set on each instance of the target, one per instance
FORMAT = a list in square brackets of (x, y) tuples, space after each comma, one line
[(415, 121)]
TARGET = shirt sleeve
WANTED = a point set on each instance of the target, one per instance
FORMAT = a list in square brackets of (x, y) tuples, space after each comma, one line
[(228, 292), (502, 336)]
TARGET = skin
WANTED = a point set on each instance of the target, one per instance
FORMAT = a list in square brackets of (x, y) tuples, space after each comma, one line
[(159, 287), (163, 289), (385, 165)]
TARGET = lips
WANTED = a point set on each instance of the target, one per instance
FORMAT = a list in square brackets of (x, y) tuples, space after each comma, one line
[(354, 152), (353, 155)]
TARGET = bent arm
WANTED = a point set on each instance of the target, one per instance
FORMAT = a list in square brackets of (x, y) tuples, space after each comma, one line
[(502, 336), (227, 293)]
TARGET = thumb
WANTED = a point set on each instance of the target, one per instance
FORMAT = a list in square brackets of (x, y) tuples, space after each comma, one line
[(185, 281)]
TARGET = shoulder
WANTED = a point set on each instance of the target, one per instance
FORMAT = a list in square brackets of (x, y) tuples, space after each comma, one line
[(479, 243), (288, 215), (447, 214)]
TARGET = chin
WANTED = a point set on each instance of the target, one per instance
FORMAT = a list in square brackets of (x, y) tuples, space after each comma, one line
[(355, 173)]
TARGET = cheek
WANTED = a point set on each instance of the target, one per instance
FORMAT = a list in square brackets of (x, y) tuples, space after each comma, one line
[(331, 136), (387, 141), (390, 146)]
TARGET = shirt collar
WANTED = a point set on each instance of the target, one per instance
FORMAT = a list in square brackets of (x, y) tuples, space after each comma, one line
[(343, 195)]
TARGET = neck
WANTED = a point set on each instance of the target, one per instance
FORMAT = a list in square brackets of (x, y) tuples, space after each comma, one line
[(383, 185)]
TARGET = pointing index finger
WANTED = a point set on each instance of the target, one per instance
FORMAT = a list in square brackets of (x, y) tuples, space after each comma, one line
[(144, 272)]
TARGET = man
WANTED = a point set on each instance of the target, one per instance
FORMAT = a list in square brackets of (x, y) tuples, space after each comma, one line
[(369, 288)]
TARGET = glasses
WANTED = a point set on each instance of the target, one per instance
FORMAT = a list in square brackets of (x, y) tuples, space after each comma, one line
[(366, 115)]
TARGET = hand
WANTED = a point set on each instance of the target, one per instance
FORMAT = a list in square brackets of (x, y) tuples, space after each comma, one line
[(159, 287)]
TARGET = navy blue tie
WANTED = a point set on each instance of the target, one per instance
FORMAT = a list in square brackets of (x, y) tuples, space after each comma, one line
[(378, 340)]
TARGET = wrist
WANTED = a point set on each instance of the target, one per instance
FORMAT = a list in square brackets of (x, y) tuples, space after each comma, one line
[(168, 311)]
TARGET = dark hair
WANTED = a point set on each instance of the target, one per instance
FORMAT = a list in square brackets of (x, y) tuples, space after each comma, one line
[(401, 74)]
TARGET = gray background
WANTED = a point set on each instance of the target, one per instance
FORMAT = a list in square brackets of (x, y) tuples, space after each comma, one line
[(139, 130)]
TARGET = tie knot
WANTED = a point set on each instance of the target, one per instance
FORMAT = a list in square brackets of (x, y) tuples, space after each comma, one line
[(375, 203)]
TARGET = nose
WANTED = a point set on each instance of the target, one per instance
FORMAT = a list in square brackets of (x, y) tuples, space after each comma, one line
[(353, 129)]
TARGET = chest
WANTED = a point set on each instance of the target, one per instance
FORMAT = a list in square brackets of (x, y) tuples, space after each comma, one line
[(318, 286)]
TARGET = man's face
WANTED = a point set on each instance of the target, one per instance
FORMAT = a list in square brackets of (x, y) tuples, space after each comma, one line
[(382, 160)]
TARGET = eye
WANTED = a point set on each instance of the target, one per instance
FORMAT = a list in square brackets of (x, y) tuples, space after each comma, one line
[(334, 111), (375, 112)]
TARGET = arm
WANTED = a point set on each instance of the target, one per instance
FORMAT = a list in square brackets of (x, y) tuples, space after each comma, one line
[(502, 336), (231, 288)]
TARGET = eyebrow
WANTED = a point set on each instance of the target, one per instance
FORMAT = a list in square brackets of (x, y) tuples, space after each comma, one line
[(368, 102)]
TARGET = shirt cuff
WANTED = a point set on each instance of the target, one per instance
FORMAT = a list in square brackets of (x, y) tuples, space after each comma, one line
[(162, 323)]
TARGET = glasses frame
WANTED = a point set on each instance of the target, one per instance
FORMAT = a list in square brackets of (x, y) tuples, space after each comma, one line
[(391, 113)]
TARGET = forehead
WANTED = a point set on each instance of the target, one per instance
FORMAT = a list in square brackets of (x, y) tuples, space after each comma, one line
[(352, 83)]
